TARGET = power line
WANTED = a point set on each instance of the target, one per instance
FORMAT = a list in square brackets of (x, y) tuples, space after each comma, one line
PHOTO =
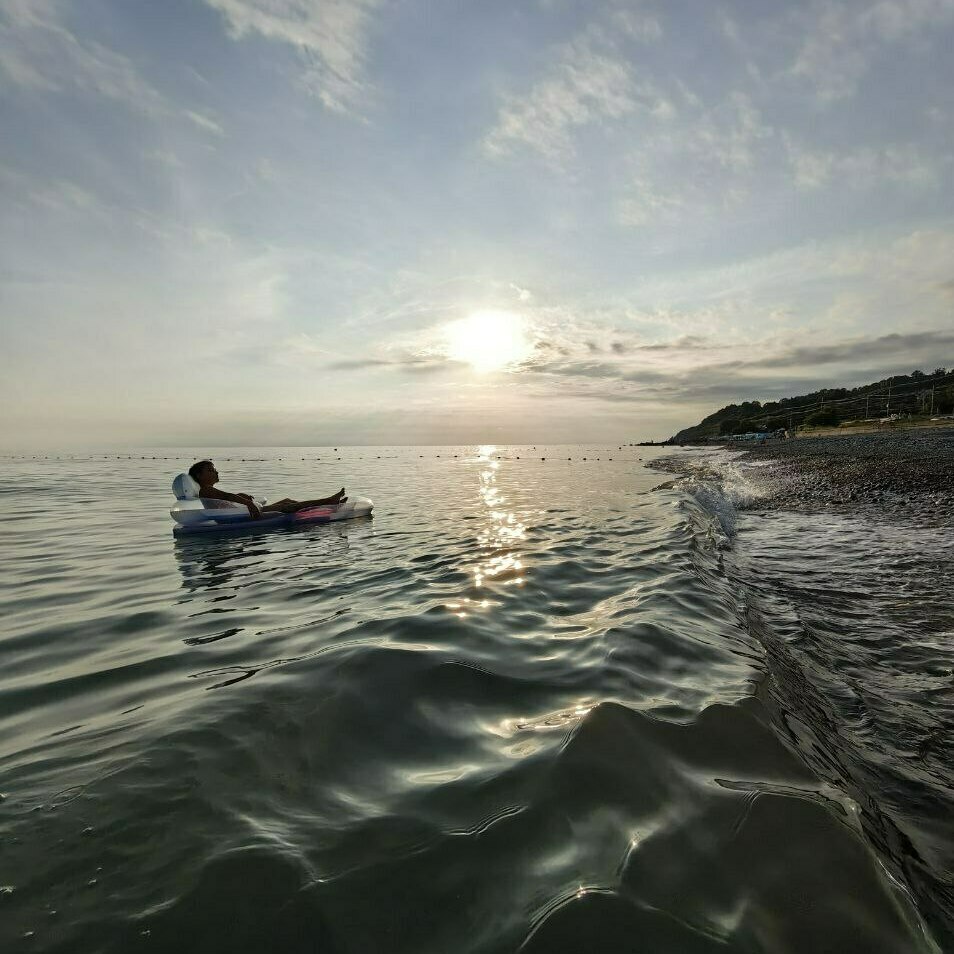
[(892, 391)]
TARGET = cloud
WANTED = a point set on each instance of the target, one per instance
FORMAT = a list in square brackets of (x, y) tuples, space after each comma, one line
[(590, 83), (39, 52), (866, 167), (203, 122), (768, 369), (697, 165), (702, 148), (842, 38), (330, 36), (411, 364), (899, 348), (164, 157), (771, 320), (61, 195), (636, 23), (684, 343), (648, 200), (729, 134)]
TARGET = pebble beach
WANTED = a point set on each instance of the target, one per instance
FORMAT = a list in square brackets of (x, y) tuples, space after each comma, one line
[(911, 469)]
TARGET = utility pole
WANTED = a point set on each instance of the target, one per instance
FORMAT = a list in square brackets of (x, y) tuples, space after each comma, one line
[(932, 401)]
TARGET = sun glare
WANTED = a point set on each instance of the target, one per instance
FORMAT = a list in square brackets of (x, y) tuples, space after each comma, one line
[(489, 340)]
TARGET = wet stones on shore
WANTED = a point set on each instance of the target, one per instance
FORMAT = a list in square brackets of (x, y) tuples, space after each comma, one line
[(911, 469)]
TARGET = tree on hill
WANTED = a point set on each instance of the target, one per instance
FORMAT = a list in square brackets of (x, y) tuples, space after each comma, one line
[(825, 417), (914, 393), (730, 425)]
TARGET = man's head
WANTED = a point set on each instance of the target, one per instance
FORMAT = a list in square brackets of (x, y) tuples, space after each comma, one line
[(204, 473)]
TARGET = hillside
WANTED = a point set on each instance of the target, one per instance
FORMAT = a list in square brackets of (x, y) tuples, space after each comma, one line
[(914, 393)]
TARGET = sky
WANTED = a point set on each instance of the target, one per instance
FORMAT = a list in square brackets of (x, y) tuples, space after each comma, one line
[(355, 221)]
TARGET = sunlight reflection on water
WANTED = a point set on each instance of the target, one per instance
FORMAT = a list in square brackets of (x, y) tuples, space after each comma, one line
[(502, 531)]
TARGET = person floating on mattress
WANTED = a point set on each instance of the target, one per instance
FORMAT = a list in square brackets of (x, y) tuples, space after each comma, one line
[(206, 476)]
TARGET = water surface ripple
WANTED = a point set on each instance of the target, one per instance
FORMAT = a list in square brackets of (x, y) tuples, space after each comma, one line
[(523, 708)]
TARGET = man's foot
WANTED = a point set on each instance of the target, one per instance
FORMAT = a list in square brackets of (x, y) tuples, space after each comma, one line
[(338, 498)]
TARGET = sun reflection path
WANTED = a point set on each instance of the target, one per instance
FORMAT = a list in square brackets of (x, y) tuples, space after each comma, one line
[(498, 538), (501, 533)]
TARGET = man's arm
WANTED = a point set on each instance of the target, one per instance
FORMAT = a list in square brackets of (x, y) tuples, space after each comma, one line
[(217, 494)]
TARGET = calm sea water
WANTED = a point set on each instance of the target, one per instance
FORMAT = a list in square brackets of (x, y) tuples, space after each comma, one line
[(531, 705)]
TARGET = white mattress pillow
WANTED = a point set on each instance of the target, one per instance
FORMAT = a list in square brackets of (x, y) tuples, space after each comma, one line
[(185, 487)]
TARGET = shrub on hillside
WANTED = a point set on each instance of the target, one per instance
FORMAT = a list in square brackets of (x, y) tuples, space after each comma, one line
[(825, 417)]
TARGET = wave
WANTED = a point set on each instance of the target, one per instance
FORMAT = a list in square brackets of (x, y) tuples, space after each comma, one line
[(846, 608)]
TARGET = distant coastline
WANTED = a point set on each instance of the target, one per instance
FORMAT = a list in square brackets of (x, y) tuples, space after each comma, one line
[(911, 400)]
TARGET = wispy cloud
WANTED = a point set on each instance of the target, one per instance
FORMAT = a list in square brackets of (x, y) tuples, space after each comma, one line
[(867, 167), (841, 38), (164, 157), (772, 369), (204, 122), (411, 364), (590, 83), (39, 51), (330, 36), (714, 149)]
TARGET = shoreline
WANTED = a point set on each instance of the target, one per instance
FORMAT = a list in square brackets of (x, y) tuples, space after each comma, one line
[(913, 468), (845, 569)]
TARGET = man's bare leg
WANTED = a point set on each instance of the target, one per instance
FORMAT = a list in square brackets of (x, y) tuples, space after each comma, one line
[(337, 498), (291, 506), (281, 506)]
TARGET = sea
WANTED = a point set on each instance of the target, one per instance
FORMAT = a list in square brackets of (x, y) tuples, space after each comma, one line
[(548, 699)]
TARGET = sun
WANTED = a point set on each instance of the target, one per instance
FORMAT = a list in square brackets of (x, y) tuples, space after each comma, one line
[(489, 340)]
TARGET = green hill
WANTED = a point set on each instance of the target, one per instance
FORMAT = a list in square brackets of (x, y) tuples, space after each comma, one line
[(914, 393)]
